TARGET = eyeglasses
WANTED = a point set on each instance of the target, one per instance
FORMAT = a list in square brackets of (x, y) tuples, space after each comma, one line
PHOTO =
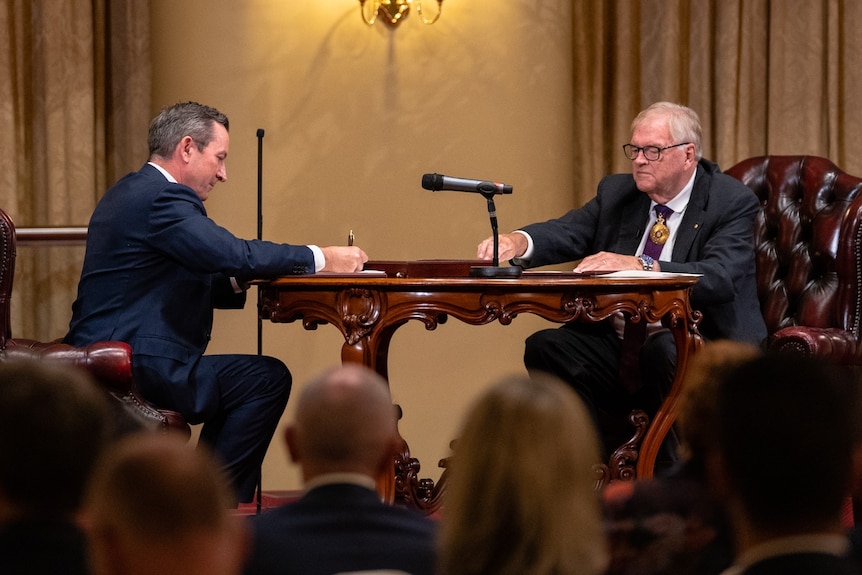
[(651, 153)]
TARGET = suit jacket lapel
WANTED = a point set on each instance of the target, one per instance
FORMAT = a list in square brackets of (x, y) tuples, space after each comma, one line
[(630, 235), (692, 220)]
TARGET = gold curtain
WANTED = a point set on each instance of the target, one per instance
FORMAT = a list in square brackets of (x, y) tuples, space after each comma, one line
[(74, 99), (765, 76)]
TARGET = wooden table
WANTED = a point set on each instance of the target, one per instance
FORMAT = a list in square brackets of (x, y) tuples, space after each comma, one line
[(368, 308)]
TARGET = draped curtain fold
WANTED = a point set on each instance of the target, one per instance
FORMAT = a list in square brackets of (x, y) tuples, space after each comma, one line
[(765, 76), (74, 98)]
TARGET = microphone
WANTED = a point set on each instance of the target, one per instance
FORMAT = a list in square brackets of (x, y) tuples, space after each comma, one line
[(437, 182)]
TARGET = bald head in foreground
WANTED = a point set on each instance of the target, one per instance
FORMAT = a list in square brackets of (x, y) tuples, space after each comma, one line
[(345, 423), (344, 437)]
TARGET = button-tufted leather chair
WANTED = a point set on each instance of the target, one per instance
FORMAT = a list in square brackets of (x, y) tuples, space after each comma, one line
[(808, 245), (808, 250), (109, 362)]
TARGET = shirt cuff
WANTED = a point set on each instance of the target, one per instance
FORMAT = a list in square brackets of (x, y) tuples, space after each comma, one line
[(524, 259), (319, 260)]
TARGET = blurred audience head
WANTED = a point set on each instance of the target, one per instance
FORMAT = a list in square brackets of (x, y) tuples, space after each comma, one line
[(158, 505), (786, 432), (697, 418), (345, 423), (54, 421), (521, 494)]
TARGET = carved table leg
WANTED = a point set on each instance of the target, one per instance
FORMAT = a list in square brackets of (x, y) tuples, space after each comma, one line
[(623, 461), (403, 486), (410, 490)]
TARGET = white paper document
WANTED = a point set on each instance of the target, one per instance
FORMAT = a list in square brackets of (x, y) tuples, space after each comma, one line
[(645, 274)]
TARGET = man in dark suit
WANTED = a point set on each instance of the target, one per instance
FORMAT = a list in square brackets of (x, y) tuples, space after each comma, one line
[(156, 266), (787, 446), (343, 438), (676, 212)]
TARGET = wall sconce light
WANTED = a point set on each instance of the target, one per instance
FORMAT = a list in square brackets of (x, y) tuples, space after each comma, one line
[(393, 11)]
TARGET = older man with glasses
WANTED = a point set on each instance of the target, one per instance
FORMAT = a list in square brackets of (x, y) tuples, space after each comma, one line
[(675, 212)]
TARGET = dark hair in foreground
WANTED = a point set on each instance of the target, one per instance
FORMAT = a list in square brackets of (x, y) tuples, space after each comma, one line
[(54, 422), (698, 409), (787, 435), (158, 487)]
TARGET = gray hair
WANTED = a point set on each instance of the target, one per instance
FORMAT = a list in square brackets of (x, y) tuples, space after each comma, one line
[(180, 120), (683, 122)]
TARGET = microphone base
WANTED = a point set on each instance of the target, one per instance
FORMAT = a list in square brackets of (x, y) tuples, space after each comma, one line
[(495, 271)]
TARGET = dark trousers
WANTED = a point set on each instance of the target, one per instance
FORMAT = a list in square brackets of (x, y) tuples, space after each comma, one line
[(587, 357), (238, 398), (253, 391)]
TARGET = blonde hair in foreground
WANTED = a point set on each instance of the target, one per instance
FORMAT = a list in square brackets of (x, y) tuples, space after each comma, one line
[(521, 496)]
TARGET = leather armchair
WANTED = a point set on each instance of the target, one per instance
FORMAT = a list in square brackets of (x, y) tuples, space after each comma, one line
[(109, 362), (808, 246)]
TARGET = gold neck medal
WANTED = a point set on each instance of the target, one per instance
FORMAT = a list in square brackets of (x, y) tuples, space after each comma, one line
[(659, 232)]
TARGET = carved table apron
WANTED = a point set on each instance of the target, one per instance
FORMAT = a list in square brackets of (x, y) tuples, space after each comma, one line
[(369, 308)]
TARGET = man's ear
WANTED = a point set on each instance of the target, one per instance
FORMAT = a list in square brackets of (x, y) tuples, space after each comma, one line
[(107, 550), (240, 539), (185, 147), (384, 466), (292, 446), (690, 154)]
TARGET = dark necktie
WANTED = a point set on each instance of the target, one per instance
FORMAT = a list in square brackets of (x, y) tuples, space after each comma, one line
[(634, 334)]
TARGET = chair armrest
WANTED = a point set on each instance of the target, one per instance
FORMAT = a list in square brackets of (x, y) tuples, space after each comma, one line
[(838, 345), (109, 362)]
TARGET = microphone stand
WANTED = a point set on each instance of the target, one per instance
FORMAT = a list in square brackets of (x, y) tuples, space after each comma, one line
[(494, 270), (259, 226), (259, 501)]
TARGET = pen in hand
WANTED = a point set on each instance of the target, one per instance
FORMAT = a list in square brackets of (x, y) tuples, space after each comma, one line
[(350, 238)]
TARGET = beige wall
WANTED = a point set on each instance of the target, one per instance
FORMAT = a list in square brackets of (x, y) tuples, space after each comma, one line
[(353, 116)]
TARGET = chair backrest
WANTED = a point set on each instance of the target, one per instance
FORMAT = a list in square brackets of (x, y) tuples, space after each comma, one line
[(8, 251), (808, 241)]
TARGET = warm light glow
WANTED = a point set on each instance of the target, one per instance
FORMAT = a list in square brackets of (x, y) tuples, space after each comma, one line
[(393, 11)]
